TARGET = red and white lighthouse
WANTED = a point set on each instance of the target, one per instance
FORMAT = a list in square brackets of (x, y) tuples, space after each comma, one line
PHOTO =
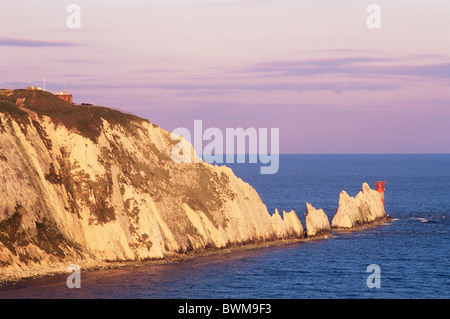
[(379, 187)]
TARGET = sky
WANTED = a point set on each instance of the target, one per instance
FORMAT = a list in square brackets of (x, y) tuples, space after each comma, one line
[(311, 68)]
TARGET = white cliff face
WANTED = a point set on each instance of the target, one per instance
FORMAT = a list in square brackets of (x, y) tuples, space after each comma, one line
[(316, 221), (363, 209), (288, 226), (88, 192)]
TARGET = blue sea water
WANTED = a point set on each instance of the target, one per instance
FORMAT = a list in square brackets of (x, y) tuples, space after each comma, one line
[(412, 252)]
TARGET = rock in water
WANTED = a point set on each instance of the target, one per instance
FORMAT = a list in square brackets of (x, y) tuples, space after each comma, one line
[(364, 209), (317, 224), (289, 224), (86, 185)]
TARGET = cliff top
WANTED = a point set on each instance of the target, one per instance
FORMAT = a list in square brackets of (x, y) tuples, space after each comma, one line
[(85, 119)]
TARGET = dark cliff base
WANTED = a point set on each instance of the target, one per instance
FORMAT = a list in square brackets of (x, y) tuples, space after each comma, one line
[(174, 258), (360, 226)]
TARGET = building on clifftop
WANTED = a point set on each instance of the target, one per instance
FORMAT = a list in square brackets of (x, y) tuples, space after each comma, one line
[(34, 88), (66, 96)]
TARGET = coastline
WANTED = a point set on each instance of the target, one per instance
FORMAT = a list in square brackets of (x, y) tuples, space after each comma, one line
[(172, 258), (180, 257)]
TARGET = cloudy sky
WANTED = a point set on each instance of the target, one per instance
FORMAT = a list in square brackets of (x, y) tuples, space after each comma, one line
[(309, 67)]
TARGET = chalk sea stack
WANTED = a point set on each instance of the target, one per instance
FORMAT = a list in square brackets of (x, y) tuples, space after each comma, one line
[(366, 208), (90, 185), (289, 224), (317, 224)]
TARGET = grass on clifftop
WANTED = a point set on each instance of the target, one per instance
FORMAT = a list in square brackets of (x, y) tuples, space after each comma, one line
[(87, 120)]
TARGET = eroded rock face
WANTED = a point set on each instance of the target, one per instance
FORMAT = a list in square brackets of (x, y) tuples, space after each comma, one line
[(364, 209), (317, 223), (86, 185), (289, 224)]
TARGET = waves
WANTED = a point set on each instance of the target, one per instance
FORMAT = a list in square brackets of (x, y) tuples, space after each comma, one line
[(421, 219), (430, 218)]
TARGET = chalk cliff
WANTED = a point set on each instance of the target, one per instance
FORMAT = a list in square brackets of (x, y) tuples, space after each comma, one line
[(364, 209), (87, 185), (289, 224), (317, 224)]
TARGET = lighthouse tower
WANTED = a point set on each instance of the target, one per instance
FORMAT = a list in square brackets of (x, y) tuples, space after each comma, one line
[(379, 187)]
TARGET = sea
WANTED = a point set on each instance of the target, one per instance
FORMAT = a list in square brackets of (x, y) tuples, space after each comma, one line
[(407, 258)]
